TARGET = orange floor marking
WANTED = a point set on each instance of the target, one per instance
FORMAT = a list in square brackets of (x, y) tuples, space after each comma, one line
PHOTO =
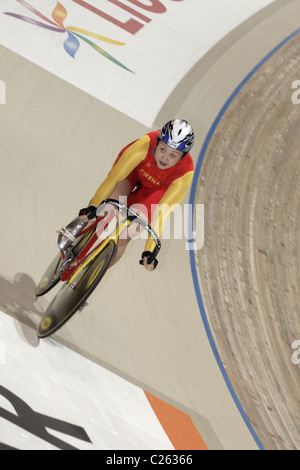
[(178, 426)]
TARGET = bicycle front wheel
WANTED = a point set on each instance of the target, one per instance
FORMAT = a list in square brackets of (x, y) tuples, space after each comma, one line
[(52, 274), (71, 297)]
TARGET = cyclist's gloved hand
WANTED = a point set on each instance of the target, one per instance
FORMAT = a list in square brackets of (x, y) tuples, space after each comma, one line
[(150, 259), (90, 212)]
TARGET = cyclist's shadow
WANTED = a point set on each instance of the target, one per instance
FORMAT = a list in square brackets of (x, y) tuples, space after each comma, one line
[(18, 300)]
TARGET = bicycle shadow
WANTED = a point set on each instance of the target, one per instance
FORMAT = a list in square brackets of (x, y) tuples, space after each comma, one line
[(19, 301)]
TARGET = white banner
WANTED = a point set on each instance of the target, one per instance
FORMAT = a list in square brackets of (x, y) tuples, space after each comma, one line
[(130, 54)]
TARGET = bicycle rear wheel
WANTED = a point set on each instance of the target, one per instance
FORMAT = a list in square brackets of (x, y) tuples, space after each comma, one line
[(70, 298)]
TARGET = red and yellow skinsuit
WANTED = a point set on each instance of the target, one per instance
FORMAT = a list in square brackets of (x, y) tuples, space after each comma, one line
[(160, 191)]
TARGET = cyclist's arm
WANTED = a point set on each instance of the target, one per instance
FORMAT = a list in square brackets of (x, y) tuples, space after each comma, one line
[(131, 157), (172, 197)]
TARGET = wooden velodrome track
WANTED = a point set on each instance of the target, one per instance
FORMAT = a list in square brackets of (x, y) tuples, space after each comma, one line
[(223, 352)]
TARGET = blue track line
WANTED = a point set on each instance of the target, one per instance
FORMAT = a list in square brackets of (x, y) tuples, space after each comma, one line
[(191, 225)]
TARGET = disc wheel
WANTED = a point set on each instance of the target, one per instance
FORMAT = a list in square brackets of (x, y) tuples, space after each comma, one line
[(71, 298)]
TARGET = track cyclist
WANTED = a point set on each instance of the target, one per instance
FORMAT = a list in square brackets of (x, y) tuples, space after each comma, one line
[(153, 175)]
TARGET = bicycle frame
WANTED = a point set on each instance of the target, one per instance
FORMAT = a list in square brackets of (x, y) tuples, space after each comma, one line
[(86, 256)]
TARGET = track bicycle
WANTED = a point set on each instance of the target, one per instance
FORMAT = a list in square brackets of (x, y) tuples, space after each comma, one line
[(82, 266)]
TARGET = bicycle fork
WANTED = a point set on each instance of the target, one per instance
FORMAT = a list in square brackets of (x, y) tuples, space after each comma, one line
[(114, 237)]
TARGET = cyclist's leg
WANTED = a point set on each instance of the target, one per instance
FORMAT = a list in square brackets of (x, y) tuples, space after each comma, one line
[(142, 202), (131, 232), (125, 237), (121, 194)]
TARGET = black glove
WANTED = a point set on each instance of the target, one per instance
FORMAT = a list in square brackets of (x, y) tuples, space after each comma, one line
[(150, 258), (90, 212)]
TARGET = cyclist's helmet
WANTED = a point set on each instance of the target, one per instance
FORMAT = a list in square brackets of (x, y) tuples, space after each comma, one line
[(178, 134)]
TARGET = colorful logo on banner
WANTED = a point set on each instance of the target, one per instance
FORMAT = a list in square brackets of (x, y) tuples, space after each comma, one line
[(71, 44)]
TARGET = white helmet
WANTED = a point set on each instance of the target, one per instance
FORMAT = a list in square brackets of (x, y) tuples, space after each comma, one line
[(178, 134)]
